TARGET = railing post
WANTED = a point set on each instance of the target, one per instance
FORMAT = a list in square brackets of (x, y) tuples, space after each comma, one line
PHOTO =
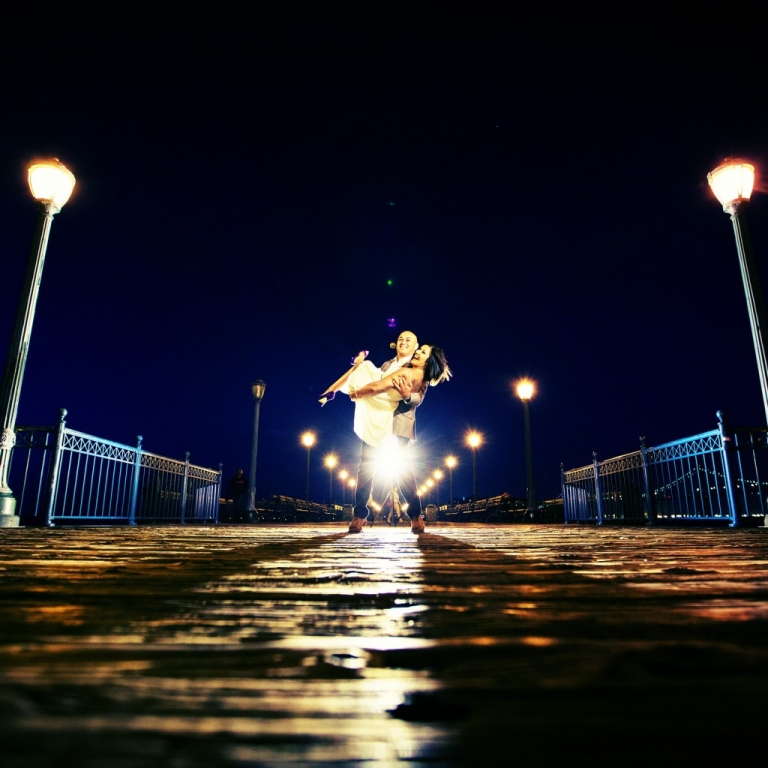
[(562, 491), (218, 492), (183, 520), (53, 472), (649, 498), (598, 490), (727, 451), (135, 484)]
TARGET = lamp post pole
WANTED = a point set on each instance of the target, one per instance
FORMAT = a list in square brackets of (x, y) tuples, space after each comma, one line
[(343, 477), (450, 462), (51, 184), (307, 440), (732, 184), (330, 461), (525, 389), (473, 440), (438, 475), (257, 388)]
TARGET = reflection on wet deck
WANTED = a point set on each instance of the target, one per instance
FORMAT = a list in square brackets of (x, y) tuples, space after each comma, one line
[(283, 645)]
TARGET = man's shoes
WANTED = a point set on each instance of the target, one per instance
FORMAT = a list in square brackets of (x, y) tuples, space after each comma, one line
[(417, 524), (326, 397), (357, 524)]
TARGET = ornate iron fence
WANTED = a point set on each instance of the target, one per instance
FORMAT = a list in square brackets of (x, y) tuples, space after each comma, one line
[(69, 477), (714, 477)]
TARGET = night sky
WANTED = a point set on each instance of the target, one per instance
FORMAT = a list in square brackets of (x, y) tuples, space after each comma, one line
[(536, 194)]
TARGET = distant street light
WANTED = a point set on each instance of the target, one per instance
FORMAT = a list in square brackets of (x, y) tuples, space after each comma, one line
[(732, 183), (307, 440), (438, 475), (258, 388), (343, 475), (330, 461), (525, 389), (51, 184), (450, 462), (474, 440)]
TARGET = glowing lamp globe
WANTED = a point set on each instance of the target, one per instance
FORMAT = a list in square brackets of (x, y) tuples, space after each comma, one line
[(50, 182), (732, 181), (525, 389)]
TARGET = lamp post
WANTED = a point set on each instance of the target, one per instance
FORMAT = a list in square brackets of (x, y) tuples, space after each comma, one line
[(257, 388), (51, 184), (330, 461), (732, 184), (474, 440), (450, 462), (343, 475), (438, 475), (307, 440), (525, 389)]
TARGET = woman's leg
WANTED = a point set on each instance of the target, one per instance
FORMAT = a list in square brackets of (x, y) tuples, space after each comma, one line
[(342, 380)]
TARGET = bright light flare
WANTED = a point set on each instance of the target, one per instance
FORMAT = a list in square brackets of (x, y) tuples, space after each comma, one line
[(732, 181), (331, 461), (308, 439), (451, 462), (525, 389), (474, 440), (390, 462)]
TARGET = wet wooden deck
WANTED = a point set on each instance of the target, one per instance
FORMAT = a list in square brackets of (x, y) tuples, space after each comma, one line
[(271, 645)]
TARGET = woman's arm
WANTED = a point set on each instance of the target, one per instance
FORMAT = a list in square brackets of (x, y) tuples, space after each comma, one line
[(386, 382)]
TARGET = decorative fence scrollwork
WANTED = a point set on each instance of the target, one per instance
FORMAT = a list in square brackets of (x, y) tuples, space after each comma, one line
[(713, 477), (69, 477)]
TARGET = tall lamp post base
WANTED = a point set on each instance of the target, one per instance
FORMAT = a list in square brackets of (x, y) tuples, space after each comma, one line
[(8, 516)]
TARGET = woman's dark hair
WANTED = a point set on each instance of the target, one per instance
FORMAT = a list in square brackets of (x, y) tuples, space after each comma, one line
[(436, 367)]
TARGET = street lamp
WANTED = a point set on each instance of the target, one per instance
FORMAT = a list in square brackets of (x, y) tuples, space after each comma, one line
[(51, 184), (330, 461), (474, 440), (525, 389), (343, 475), (732, 184), (258, 388), (450, 462), (307, 440), (438, 475)]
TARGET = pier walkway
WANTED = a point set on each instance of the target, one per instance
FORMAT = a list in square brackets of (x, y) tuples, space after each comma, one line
[(483, 645)]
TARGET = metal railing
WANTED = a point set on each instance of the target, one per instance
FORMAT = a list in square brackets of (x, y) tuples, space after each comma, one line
[(64, 476), (714, 477)]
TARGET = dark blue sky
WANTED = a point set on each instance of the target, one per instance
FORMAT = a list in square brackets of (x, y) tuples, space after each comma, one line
[(537, 197)]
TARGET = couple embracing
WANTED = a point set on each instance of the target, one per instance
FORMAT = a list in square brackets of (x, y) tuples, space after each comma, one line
[(385, 400)]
